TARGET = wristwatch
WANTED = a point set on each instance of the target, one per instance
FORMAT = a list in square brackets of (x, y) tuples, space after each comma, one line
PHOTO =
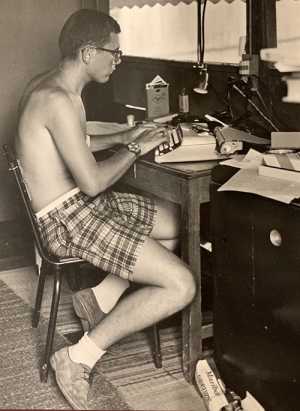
[(134, 148)]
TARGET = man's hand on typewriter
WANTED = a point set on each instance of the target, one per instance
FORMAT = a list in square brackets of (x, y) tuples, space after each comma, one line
[(151, 138), (134, 132), (174, 141)]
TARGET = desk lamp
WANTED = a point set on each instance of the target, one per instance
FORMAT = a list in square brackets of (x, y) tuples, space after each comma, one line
[(202, 83)]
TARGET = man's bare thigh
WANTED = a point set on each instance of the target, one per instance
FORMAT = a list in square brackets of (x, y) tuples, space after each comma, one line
[(158, 266), (167, 225)]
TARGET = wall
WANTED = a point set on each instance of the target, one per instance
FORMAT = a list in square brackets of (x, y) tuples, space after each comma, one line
[(29, 31), (138, 72), (127, 86)]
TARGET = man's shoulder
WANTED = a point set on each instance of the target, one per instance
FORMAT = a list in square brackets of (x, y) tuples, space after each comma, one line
[(36, 82), (45, 84), (47, 91)]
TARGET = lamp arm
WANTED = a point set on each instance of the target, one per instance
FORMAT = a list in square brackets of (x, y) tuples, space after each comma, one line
[(199, 33), (203, 31)]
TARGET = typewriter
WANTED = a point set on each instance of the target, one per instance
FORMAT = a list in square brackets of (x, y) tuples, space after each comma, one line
[(187, 143)]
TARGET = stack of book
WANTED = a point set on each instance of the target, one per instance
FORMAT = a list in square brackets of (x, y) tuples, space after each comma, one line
[(283, 159)]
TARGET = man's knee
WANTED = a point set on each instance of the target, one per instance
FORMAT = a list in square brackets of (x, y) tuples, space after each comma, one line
[(186, 287)]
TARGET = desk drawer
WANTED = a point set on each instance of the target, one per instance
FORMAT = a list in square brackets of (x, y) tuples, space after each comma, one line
[(154, 181)]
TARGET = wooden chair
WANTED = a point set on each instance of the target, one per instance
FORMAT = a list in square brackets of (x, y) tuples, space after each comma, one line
[(51, 264), (55, 266)]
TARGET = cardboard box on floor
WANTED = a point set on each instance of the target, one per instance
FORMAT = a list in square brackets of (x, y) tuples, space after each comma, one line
[(214, 393)]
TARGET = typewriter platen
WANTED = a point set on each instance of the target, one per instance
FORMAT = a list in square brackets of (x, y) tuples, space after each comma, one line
[(188, 142), (230, 140)]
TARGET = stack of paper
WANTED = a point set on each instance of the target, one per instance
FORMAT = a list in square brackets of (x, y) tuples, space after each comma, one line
[(282, 160), (250, 180)]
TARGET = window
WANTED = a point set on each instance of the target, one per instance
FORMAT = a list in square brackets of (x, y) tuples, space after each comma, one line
[(167, 29), (288, 26)]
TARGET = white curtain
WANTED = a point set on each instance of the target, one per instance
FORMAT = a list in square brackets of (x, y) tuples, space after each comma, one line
[(170, 31)]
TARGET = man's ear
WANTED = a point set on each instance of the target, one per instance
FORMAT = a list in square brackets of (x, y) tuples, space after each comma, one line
[(86, 55)]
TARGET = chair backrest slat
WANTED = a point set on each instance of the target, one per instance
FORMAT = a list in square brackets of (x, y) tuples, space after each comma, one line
[(14, 167)]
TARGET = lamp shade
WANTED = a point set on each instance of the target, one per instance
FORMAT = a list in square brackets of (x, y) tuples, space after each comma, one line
[(202, 82)]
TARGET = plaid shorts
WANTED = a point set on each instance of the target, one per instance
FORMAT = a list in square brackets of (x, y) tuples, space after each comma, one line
[(107, 231)]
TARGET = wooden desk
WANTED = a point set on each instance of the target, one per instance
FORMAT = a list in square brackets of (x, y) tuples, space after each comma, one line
[(188, 185)]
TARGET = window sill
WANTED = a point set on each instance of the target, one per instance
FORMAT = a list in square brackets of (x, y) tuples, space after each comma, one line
[(176, 64)]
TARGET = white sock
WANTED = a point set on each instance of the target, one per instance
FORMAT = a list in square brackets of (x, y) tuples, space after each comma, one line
[(109, 291), (85, 352)]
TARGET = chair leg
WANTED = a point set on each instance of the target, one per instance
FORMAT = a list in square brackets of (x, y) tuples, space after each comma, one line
[(52, 322), (39, 295), (156, 347)]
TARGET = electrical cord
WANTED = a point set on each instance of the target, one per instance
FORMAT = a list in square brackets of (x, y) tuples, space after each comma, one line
[(271, 102), (219, 95), (247, 81), (247, 119), (254, 105), (263, 102), (228, 102)]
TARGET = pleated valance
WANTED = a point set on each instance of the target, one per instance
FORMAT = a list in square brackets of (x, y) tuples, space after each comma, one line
[(140, 3)]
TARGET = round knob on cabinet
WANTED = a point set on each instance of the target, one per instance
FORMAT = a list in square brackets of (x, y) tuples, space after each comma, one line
[(275, 238)]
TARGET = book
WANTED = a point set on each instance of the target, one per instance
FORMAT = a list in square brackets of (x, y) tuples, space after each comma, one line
[(285, 139), (288, 161), (279, 173)]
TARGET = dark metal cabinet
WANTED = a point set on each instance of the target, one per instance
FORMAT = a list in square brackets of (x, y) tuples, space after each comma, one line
[(256, 264)]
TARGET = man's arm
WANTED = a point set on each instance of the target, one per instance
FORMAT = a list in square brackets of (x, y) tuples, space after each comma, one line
[(61, 118), (118, 134)]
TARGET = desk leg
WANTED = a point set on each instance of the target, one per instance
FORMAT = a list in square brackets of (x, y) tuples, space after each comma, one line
[(190, 248)]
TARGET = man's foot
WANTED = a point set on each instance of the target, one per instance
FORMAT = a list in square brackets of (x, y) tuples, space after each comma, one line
[(87, 309), (73, 379)]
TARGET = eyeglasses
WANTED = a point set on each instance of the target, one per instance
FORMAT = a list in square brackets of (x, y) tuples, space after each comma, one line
[(115, 53)]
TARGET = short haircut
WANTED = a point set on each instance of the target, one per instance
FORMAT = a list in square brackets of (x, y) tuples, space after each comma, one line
[(86, 27)]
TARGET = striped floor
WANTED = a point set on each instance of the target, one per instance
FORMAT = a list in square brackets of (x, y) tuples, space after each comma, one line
[(132, 372)]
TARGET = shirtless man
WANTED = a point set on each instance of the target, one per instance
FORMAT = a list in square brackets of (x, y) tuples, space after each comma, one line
[(78, 215)]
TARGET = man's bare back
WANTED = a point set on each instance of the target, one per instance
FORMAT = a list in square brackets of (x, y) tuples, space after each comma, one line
[(43, 168)]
